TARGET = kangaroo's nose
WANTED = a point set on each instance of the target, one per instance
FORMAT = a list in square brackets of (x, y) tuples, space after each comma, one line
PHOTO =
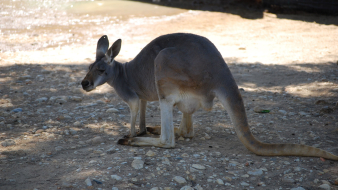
[(85, 83)]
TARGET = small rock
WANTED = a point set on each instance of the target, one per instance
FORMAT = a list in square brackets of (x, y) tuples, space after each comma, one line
[(76, 98), (181, 138), (198, 166), (198, 187), (88, 182), (155, 188), (114, 188), (301, 113), (185, 155), (297, 169), (137, 164), (116, 177), (40, 100), (58, 148), (244, 184), (298, 188), (112, 110), (7, 142), (187, 188), (66, 184), (256, 172), (77, 124), (325, 186), (219, 182), (97, 140), (282, 112), (179, 179), (72, 131), (25, 77), (150, 153), (288, 180), (17, 110), (111, 151)]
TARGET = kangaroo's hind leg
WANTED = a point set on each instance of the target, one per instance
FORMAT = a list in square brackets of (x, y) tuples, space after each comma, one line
[(186, 127)]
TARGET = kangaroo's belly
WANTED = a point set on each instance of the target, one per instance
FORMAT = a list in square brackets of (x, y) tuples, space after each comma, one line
[(188, 102)]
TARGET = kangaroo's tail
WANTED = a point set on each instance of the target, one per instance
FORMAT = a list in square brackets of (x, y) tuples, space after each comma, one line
[(233, 102)]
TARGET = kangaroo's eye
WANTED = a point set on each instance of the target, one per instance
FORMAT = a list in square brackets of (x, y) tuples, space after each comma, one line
[(101, 71)]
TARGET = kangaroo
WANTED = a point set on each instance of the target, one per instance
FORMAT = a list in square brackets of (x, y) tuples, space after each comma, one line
[(183, 70)]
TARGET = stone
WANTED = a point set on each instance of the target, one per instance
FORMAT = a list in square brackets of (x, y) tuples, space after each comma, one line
[(185, 155), (155, 188), (282, 112), (111, 151), (198, 166), (187, 188), (244, 184), (179, 179), (72, 131), (288, 180), (116, 177), (255, 172), (40, 100), (181, 138), (77, 124), (8, 142), (114, 188), (137, 164), (150, 153), (76, 98), (58, 148), (112, 110), (88, 182), (219, 182), (97, 140), (301, 113), (25, 77), (298, 188), (198, 187), (325, 186), (17, 110)]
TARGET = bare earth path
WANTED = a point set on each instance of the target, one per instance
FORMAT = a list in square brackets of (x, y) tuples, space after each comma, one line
[(53, 135)]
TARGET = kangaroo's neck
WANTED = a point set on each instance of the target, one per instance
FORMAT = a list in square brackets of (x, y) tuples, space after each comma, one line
[(117, 73)]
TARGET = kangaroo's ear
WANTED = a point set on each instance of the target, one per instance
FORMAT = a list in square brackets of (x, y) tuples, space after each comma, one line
[(102, 47), (114, 50)]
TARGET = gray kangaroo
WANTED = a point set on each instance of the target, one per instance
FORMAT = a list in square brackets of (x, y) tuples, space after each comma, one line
[(183, 70)]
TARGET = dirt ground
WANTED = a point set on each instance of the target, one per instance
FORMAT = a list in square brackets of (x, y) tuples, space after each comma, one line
[(54, 135)]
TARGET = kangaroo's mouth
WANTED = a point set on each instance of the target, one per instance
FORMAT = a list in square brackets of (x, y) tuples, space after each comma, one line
[(87, 86)]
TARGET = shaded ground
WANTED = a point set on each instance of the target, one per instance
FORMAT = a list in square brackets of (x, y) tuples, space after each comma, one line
[(62, 135)]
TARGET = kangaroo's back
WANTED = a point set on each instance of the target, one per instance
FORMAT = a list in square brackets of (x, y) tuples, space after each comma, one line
[(198, 50)]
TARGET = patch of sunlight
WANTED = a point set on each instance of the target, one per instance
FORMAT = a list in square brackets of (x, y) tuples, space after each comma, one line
[(314, 89), (301, 68)]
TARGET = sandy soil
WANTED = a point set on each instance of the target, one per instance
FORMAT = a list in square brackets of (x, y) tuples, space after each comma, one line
[(54, 135)]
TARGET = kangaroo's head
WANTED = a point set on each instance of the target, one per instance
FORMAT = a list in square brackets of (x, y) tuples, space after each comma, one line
[(99, 71)]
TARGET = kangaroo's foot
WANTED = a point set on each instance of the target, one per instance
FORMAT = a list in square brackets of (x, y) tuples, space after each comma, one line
[(154, 130), (140, 133), (145, 141), (157, 131)]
